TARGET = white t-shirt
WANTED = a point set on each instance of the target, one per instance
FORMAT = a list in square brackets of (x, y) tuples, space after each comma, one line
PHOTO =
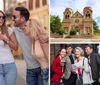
[(87, 78), (5, 51), (25, 43)]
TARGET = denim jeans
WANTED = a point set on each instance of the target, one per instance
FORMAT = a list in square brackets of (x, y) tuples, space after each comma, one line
[(34, 77), (8, 74), (45, 75)]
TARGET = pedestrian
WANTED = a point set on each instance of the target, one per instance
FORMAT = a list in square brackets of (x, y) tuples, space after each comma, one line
[(83, 69), (70, 76), (20, 17), (8, 70), (57, 68), (37, 33), (94, 62)]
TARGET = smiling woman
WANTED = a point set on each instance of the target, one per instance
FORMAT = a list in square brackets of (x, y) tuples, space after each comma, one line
[(7, 63)]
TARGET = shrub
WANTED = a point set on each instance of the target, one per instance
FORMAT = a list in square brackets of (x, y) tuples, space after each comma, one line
[(73, 32)]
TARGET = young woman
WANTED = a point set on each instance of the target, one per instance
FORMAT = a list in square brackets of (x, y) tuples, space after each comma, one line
[(8, 41), (82, 63), (57, 68), (37, 33)]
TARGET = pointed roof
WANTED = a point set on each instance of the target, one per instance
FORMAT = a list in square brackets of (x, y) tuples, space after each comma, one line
[(77, 14)]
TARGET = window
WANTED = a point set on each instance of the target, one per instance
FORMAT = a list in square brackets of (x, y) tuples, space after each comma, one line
[(68, 16), (30, 5), (65, 16), (37, 3), (44, 2), (89, 15)]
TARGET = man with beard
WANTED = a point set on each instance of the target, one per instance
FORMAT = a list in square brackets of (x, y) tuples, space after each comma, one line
[(20, 17), (94, 62)]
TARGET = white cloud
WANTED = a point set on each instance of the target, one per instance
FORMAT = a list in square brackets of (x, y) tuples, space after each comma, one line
[(57, 7)]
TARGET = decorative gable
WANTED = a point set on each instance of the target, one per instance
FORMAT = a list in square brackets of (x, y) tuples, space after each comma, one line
[(77, 15)]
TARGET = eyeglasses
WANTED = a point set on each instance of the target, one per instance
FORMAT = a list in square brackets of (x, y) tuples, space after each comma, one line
[(2, 17), (14, 16)]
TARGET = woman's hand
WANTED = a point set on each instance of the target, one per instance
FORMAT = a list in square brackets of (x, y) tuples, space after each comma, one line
[(81, 67), (73, 71), (3, 37), (62, 64)]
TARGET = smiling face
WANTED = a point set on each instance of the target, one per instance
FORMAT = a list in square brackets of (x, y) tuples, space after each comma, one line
[(27, 28), (2, 18), (78, 53), (69, 50), (17, 18), (88, 50), (63, 53)]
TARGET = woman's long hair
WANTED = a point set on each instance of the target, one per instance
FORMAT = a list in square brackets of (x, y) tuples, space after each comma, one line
[(4, 27), (36, 28)]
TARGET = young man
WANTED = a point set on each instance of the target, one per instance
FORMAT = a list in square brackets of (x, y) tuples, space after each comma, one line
[(94, 62), (69, 77), (20, 17)]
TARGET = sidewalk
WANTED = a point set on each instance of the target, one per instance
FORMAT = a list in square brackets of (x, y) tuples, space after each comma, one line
[(21, 72)]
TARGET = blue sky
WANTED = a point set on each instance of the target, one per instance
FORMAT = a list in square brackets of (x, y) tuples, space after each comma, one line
[(57, 7)]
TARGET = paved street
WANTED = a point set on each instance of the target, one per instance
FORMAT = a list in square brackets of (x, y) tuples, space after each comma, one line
[(21, 69)]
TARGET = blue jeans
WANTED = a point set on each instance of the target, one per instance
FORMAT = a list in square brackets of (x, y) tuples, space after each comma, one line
[(8, 74), (45, 75), (34, 77)]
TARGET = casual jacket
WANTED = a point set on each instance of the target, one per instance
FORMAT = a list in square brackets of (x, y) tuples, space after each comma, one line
[(95, 65), (67, 70), (57, 69)]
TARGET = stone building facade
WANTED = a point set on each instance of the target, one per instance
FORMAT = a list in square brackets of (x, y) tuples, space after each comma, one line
[(82, 23)]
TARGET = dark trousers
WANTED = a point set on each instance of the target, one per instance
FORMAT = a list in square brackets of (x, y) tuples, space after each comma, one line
[(71, 80), (34, 77), (96, 83)]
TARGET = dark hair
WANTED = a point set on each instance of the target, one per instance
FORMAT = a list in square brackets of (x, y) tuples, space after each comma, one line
[(90, 46), (23, 12), (58, 53), (69, 45)]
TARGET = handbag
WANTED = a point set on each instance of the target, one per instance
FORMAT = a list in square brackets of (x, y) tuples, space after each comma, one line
[(79, 80)]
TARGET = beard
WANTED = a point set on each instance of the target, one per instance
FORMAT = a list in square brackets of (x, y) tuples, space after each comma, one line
[(17, 24)]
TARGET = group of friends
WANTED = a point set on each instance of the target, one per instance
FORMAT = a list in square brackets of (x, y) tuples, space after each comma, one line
[(71, 64), (25, 32)]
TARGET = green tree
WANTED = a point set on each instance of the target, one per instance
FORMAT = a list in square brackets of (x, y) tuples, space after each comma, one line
[(96, 27), (56, 25)]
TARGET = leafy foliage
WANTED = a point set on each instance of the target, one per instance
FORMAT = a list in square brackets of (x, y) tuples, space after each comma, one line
[(56, 25)]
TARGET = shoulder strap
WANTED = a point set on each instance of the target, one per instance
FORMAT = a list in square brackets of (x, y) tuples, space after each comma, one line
[(83, 65)]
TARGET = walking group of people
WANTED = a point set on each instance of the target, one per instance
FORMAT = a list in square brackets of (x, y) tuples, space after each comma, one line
[(70, 67), (26, 32)]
